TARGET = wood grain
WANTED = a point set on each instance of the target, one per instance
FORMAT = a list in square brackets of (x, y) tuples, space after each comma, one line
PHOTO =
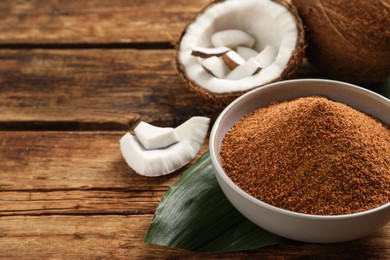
[(52, 161), (82, 202), (94, 89), (94, 21), (113, 237)]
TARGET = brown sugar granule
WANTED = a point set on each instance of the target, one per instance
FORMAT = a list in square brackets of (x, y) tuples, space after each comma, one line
[(310, 155)]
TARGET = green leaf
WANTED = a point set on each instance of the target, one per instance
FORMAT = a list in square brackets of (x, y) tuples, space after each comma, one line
[(195, 215)]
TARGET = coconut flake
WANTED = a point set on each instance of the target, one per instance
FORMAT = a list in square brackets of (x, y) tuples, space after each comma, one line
[(248, 69), (232, 59), (232, 39), (209, 52), (153, 137), (246, 52), (216, 66), (266, 56)]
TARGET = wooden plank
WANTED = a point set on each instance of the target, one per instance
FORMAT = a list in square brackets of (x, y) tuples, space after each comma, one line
[(82, 202), (95, 21), (94, 89), (51, 161), (111, 236)]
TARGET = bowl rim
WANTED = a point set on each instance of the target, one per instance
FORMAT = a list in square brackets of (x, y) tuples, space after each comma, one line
[(219, 170)]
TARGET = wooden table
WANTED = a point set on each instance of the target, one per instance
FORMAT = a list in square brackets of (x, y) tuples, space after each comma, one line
[(74, 77)]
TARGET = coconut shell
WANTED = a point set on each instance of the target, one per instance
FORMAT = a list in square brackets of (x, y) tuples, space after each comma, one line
[(222, 99), (348, 40)]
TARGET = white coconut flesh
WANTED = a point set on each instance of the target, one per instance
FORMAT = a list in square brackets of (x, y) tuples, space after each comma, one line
[(209, 52), (266, 56), (232, 59), (272, 26), (232, 38), (246, 52), (157, 162), (215, 66), (153, 137), (249, 68)]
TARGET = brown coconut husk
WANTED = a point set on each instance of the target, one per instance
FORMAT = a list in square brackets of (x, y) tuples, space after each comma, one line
[(348, 40), (222, 99)]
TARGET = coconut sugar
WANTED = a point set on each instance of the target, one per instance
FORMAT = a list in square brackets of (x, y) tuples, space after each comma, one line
[(310, 155)]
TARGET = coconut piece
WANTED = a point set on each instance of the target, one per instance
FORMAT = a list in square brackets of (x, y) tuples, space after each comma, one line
[(275, 23), (249, 68), (266, 56), (232, 38), (216, 66), (348, 40), (246, 52), (193, 131), (209, 52), (153, 137), (158, 162), (232, 59)]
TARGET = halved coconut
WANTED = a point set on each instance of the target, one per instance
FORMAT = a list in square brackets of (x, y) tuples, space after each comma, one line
[(274, 23)]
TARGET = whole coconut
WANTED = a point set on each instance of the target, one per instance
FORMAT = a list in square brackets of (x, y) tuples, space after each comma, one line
[(348, 40)]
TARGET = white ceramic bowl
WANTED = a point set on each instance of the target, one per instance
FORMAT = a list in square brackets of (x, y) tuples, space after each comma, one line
[(293, 225)]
